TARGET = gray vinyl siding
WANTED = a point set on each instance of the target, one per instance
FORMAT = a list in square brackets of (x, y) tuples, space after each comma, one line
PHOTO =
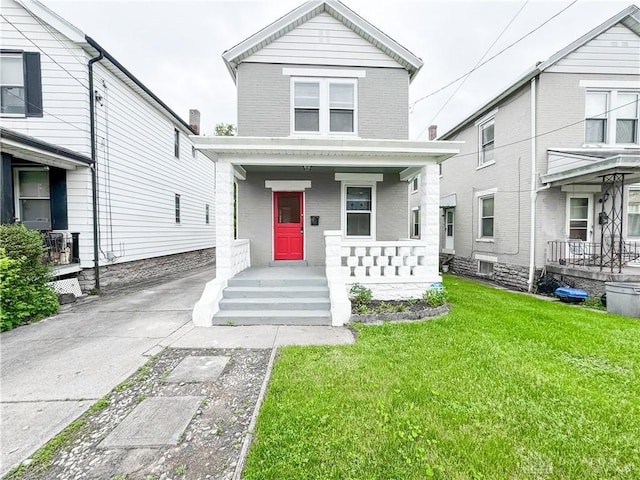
[(616, 51), (510, 175), (255, 212), (264, 97)]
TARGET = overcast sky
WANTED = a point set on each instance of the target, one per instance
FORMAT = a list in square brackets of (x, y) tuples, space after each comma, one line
[(174, 47)]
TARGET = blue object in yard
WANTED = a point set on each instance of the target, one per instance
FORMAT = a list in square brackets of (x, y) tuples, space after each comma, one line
[(571, 295)]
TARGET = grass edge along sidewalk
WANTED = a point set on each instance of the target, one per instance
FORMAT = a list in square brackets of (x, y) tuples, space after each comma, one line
[(504, 386)]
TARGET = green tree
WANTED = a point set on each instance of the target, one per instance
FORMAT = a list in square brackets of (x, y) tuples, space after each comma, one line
[(225, 130)]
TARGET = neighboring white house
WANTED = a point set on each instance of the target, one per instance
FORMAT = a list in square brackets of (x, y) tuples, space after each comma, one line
[(322, 158), (548, 174), (154, 202)]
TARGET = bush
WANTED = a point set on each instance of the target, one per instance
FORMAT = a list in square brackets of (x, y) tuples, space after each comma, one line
[(360, 295), (24, 294), (435, 296)]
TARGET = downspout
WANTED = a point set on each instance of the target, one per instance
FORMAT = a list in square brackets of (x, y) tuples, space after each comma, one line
[(534, 192), (94, 175)]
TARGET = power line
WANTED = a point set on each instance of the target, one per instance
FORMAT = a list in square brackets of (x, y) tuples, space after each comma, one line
[(544, 133), (475, 66), (45, 53), (494, 56)]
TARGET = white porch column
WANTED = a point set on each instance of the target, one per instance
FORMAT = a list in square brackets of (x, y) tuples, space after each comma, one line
[(430, 219), (340, 303), (224, 218), (207, 306)]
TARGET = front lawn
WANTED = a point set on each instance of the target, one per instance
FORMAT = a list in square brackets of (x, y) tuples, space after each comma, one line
[(506, 386)]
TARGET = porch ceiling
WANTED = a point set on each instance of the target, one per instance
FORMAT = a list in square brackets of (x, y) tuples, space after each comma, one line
[(567, 167)]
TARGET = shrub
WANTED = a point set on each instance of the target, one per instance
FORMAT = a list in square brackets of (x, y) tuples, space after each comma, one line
[(24, 294), (435, 296), (360, 295)]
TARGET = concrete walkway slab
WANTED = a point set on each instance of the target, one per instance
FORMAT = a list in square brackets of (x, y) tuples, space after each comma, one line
[(198, 369), (263, 336), (155, 422), (27, 426)]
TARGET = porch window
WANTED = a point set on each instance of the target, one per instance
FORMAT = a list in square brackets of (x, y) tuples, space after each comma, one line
[(33, 201), (633, 225), (486, 143), (486, 216), (415, 223), (323, 106), (20, 84), (358, 210)]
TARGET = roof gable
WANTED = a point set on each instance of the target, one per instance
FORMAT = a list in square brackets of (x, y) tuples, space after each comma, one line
[(625, 23), (332, 13)]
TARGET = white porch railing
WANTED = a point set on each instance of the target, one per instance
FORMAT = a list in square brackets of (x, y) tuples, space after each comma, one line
[(240, 256), (392, 270)]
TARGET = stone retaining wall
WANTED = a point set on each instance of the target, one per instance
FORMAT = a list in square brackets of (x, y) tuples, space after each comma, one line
[(127, 273), (512, 276)]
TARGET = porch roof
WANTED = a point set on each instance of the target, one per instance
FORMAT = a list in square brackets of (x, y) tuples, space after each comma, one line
[(587, 166), (34, 150), (329, 152)]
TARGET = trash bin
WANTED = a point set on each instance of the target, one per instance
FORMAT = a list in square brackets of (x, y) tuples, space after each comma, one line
[(623, 299)]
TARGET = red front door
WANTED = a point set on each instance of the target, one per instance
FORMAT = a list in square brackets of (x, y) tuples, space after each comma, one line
[(288, 226)]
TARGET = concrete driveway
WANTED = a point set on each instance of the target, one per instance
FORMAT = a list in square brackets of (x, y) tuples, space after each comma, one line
[(54, 370)]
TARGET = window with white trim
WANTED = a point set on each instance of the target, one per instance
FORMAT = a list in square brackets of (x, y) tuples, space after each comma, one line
[(415, 223), (359, 206), (485, 268), (177, 207), (611, 117), (324, 106), (176, 143), (33, 198), (415, 184), (486, 216), (486, 142), (633, 213)]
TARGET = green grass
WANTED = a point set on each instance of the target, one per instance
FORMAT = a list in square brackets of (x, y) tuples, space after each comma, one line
[(506, 386)]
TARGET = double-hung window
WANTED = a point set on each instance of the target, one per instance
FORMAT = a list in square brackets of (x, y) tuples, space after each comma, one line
[(324, 106), (415, 223), (633, 214), (359, 210), (486, 140), (611, 117), (486, 216), (20, 84), (33, 198)]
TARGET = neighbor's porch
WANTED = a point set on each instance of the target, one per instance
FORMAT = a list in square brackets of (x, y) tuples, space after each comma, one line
[(354, 213)]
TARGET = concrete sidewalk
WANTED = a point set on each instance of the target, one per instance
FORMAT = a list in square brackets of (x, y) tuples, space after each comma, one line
[(54, 370)]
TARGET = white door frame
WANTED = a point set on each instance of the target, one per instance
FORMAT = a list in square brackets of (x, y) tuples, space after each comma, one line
[(449, 241), (589, 197)]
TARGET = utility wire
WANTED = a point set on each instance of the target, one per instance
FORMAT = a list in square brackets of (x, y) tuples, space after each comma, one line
[(47, 112), (476, 152), (494, 56), (45, 53), (474, 67)]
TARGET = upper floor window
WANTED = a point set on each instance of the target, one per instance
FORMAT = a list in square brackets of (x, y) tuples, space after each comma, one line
[(176, 143), (611, 117), (20, 84), (486, 133), (324, 106), (415, 184)]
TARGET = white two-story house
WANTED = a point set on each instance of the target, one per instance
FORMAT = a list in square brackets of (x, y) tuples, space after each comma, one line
[(92, 158), (548, 175), (321, 160)]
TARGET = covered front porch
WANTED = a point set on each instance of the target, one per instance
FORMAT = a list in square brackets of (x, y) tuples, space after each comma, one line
[(337, 204), (601, 241)]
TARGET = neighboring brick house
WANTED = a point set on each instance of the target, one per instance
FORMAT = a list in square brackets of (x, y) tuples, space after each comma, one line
[(548, 174), (322, 157), (153, 191)]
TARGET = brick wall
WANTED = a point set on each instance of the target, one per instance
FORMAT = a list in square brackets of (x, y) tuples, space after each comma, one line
[(128, 273)]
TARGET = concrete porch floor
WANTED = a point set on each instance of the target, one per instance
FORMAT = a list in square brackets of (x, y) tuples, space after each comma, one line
[(281, 273)]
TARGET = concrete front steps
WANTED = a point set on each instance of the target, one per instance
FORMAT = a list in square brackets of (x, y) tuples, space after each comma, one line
[(280, 300)]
